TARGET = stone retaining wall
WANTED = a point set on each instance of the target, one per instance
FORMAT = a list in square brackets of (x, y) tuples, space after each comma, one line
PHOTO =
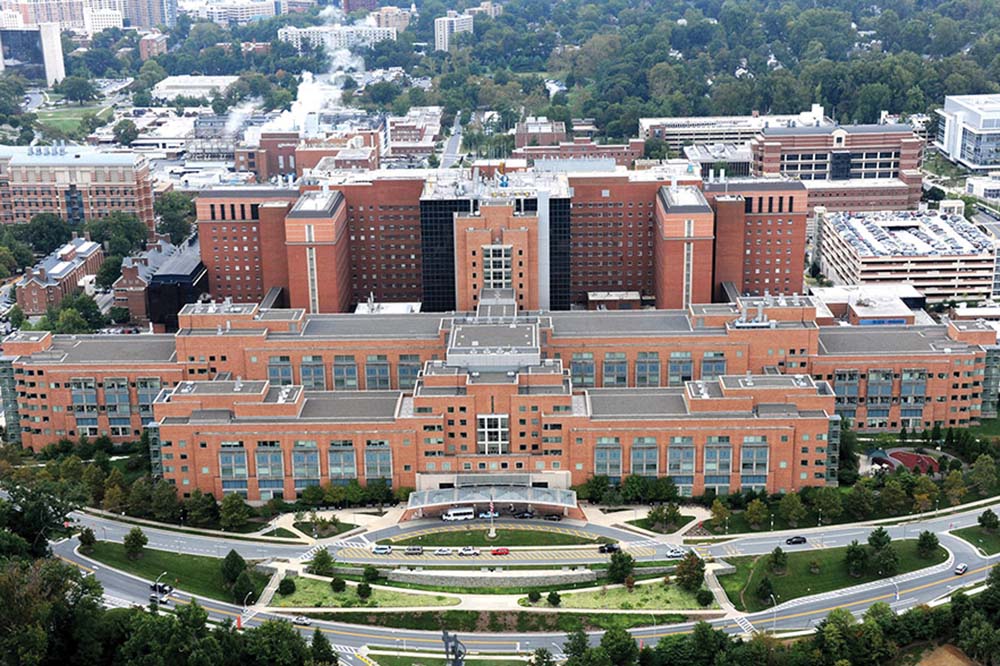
[(474, 579)]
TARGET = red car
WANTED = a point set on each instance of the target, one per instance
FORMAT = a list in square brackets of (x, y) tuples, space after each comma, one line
[(500, 551)]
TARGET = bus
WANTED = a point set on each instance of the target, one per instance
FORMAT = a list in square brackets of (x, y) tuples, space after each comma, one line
[(459, 513)]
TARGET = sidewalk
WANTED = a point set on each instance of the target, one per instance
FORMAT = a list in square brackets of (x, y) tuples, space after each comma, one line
[(619, 520)]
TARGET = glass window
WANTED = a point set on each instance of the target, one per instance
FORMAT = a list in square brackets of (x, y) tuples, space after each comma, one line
[(680, 369), (647, 369), (279, 370), (582, 369), (608, 458), (305, 464), (713, 364), (408, 369), (645, 457), (493, 434), (342, 463), (345, 373), (313, 373), (377, 372), (378, 459), (497, 267), (615, 369)]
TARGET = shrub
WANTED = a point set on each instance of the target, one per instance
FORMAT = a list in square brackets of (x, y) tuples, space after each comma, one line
[(534, 596), (370, 574), (554, 598), (814, 567), (286, 587), (338, 585), (630, 583), (704, 598), (364, 590)]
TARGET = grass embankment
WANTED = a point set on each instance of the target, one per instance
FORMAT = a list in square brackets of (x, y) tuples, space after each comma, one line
[(645, 524), (196, 574), (977, 536), (67, 119), (310, 592), (282, 533), (497, 622), (476, 536), (652, 596), (799, 581)]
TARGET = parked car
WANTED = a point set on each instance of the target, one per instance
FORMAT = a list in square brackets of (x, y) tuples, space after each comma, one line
[(486, 515), (443, 551), (676, 553), (961, 569), (469, 551), (500, 551), (302, 619), (381, 549), (609, 548), (162, 588), (791, 541), (555, 517), (525, 514), (414, 550), (158, 599)]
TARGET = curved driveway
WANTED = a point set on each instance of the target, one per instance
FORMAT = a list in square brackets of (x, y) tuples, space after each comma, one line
[(900, 592)]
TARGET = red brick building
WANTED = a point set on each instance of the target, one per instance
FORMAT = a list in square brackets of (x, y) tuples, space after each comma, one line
[(539, 131), (845, 167), (53, 278), (137, 272)]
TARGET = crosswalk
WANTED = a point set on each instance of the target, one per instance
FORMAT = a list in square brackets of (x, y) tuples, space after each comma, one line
[(731, 550), (309, 554), (114, 602), (345, 649), (745, 625)]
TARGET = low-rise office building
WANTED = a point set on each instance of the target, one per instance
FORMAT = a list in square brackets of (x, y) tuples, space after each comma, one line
[(969, 130)]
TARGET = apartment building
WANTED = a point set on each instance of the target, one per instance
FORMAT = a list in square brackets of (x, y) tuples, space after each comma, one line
[(336, 37), (152, 45), (943, 256), (392, 17), (78, 183), (449, 25), (151, 13), (726, 396)]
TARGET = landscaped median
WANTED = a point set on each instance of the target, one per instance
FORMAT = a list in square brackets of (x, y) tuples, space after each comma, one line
[(651, 595), (500, 621), (810, 572), (317, 593), (196, 574)]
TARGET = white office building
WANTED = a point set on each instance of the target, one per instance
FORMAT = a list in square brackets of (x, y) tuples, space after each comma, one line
[(969, 130), (984, 187), (445, 27), (336, 37), (688, 131)]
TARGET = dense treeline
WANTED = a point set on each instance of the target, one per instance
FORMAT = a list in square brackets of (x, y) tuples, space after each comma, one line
[(623, 60)]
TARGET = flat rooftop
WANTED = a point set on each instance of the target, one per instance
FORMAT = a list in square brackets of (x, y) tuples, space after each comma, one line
[(620, 323), (684, 200), (799, 130), (105, 349), (485, 336), (908, 234), (459, 184), (716, 152), (815, 115), (888, 340), (219, 387), (316, 203), (52, 156), (362, 327)]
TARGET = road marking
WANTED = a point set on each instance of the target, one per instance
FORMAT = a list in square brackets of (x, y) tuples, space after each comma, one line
[(745, 625), (76, 564)]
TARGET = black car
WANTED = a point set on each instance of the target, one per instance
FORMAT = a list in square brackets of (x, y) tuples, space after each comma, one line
[(162, 588), (609, 548), (556, 517), (524, 515), (791, 541)]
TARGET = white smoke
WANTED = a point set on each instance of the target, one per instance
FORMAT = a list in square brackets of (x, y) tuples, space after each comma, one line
[(237, 116)]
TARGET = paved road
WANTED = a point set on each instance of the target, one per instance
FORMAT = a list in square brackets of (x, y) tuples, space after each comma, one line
[(453, 146), (901, 592)]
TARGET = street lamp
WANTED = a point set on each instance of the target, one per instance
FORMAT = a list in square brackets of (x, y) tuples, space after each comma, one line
[(774, 616), (156, 585), (727, 524), (245, 600), (895, 585), (772, 521)]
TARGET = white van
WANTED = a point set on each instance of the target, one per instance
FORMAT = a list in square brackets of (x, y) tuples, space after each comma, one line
[(462, 513)]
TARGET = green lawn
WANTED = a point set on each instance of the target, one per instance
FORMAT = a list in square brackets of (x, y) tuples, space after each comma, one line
[(977, 536), (67, 118), (799, 581), (311, 592), (306, 527), (986, 428), (476, 536), (646, 525), (196, 574), (652, 596), (281, 532), (496, 621)]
